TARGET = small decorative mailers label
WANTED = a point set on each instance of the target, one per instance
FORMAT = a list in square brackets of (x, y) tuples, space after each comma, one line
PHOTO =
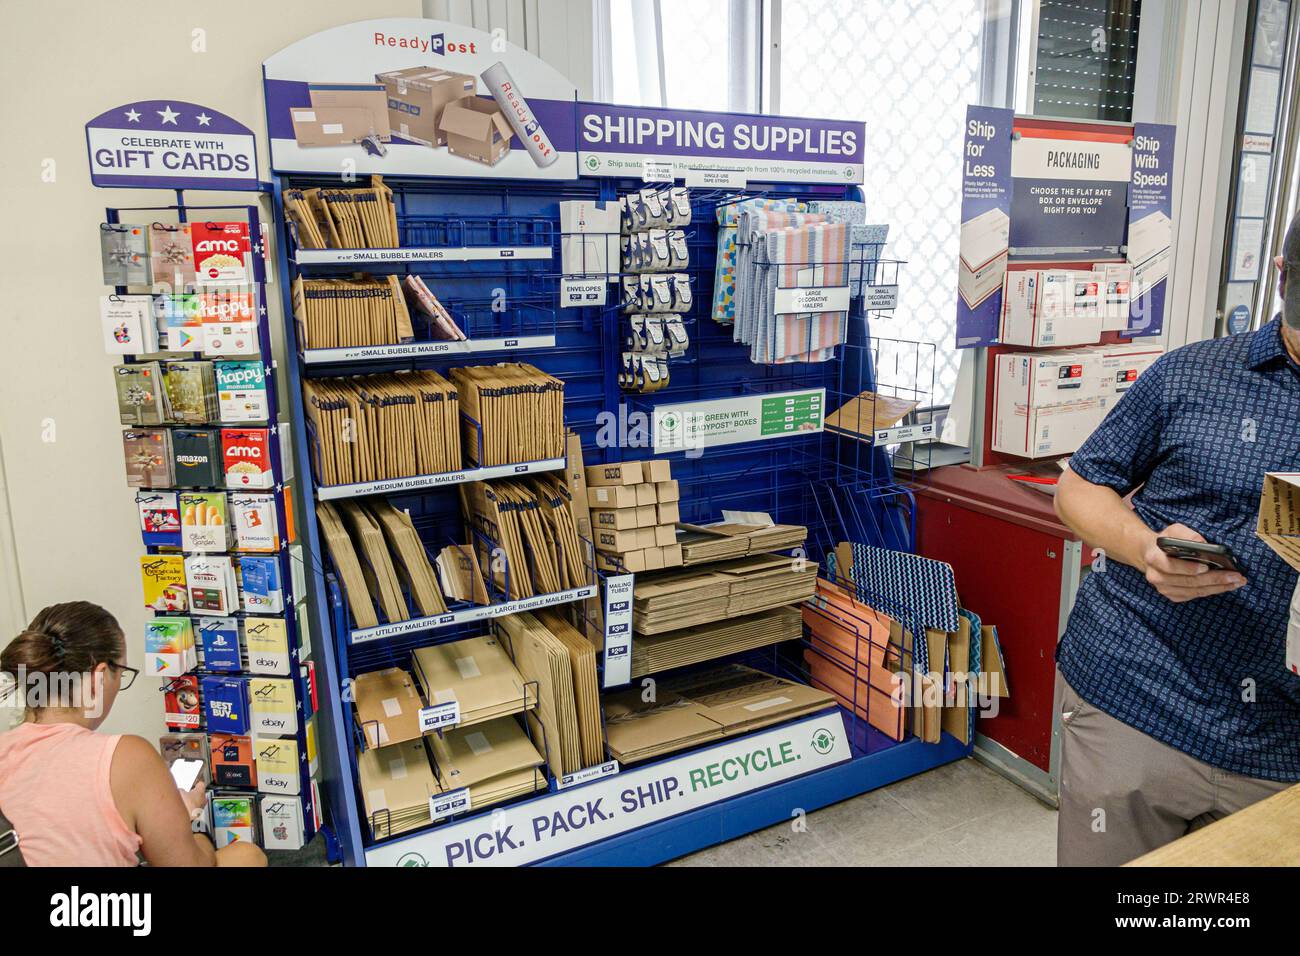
[(813, 299), (880, 297), (439, 716), (443, 805)]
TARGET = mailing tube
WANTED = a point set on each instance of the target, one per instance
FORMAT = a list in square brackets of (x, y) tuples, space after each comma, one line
[(520, 115)]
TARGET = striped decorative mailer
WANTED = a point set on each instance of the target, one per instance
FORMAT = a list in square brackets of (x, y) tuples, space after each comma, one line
[(753, 224), (724, 282), (808, 256)]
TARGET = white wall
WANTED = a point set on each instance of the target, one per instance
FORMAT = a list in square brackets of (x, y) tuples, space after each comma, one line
[(73, 518)]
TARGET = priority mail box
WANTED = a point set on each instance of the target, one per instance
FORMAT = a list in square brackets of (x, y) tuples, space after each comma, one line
[(1149, 240), (1046, 403), (1117, 289), (336, 126), (984, 247), (1052, 307), (476, 129), (417, 97), (355, 96), (1121, 366)]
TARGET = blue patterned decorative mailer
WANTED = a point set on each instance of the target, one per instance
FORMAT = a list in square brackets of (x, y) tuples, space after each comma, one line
[(840, 210), (919, 592)]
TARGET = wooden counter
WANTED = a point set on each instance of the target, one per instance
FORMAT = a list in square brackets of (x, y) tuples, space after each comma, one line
[(1264, 834)]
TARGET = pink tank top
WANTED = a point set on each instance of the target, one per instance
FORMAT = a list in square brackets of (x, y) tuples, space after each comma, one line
[(54, 788)]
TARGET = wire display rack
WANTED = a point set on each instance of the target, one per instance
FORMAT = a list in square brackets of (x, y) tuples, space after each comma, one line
[(492, 250)]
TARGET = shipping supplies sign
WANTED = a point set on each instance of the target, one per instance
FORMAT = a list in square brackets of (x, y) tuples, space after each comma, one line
[(723, 150), (578, 817), (729, 421), (171, 144), (418, 97)]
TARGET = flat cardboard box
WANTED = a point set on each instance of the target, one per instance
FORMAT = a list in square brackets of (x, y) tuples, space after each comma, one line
[(417, 97), (647, 516), (667, 492), (476, 129), (668, 513), (617, 473), (612, 496), (1278, 525), (366, 96), (336, 126)]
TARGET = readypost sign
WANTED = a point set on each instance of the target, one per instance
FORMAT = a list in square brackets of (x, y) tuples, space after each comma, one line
[(541, 828), (729, 421)]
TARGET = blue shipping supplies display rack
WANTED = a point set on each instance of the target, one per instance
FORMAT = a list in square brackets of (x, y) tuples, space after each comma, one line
[(477, 216)]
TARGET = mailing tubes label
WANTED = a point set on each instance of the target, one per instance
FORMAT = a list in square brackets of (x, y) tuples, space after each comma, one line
[(618, 629), (813, 299)]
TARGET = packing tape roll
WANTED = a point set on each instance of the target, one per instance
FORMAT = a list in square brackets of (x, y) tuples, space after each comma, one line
[(520, 115)]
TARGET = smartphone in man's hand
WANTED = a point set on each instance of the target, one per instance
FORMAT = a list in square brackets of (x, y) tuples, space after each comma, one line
[(1218, 556)]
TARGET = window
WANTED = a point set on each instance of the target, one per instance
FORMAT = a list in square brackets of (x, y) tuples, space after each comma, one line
[(908, 68), (679, 53), (1087, 54)]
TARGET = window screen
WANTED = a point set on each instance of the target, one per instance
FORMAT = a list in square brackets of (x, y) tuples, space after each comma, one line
[(1087, 50)]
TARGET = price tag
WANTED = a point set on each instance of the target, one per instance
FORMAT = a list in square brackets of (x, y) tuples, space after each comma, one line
[(577, 293), (439, 716), (586, 775), (442, 805), (618, 629)]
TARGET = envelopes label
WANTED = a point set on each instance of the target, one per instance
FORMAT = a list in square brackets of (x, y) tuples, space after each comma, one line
[(564, 821)]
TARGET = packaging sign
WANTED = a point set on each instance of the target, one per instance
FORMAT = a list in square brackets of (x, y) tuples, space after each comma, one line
[(1069, 192), (171, 144), (618, 629), (1150, 226), (729, 421), (563, 821), (411, 96), (730, 147)]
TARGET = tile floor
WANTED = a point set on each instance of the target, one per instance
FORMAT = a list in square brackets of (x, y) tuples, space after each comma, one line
[(961, 814)]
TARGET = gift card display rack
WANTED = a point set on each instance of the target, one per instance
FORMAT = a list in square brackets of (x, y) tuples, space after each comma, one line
[(284, 802)]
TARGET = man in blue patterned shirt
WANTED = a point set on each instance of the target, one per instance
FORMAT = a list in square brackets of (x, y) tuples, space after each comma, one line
[(1176, 707)]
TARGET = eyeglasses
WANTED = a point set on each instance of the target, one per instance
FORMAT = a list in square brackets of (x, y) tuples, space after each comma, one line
[(129, 674)]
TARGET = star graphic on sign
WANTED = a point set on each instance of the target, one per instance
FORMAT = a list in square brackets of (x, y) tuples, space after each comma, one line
[(168, 116), (204, 119), (132, 116)]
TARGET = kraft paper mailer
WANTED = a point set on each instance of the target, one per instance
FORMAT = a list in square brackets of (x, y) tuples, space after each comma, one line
[(396, 784), (477, 673), (960, 690), (478, 756), (993, 677), (459, 573), (388, 707), (544, 660)]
